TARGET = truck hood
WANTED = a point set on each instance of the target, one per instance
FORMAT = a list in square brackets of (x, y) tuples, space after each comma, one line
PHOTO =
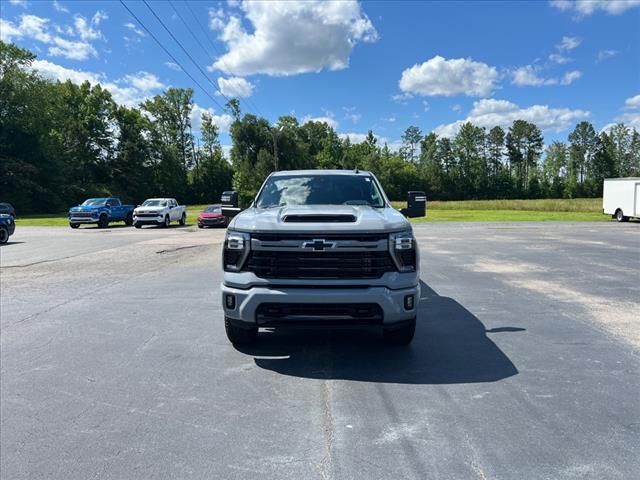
[(85, 208), (149, 209), (320, 219)]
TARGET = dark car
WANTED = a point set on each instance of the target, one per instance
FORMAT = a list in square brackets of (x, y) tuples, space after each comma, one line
[(212, 216), (7, 227), (7, 209)]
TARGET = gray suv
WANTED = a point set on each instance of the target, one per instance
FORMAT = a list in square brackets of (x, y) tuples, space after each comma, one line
[(320, 248)]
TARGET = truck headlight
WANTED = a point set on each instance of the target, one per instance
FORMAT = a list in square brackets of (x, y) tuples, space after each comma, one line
[(403, 248), (235, 250)]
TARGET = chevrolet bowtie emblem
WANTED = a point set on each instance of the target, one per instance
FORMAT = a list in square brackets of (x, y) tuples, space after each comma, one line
[(318, 244)]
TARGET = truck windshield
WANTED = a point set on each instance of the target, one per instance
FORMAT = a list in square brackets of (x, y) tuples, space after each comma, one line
[(288, 190), (154, 203), (95, 202)]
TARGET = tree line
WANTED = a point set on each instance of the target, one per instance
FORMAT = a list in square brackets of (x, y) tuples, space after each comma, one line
[(61, 142)]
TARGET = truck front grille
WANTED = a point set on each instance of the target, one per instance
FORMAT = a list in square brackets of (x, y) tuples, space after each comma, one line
[(314, 314), (319, 265)]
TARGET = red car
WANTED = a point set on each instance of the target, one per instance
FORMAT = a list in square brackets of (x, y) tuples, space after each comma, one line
[(212, 217)]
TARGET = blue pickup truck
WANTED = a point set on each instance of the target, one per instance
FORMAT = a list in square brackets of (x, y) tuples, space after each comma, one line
[(101, 211)]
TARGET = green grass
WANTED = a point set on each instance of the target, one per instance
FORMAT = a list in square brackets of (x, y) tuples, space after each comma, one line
[(565, 210), (548, 210), (448, 215), (584, 205)]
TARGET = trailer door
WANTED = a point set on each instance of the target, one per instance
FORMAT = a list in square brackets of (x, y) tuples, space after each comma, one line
[(636, 213)]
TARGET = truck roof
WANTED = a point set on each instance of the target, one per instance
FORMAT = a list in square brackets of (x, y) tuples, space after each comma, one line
[(621, 178), (320, 172)]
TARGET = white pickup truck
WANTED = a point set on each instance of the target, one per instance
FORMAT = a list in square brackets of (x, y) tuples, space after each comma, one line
[(159, 211)]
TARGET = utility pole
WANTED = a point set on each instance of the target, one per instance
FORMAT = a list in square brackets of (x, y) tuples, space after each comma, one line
[(275, 148), (274, 133)]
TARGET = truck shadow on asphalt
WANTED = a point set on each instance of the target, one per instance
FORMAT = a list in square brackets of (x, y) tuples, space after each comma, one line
[(450, 346)]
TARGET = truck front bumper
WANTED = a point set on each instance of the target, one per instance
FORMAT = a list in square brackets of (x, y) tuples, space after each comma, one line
[(73, 219), (155, 220), (243, 305)]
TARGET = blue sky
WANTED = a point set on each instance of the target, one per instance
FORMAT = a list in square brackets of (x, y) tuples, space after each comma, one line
[(358, 65)]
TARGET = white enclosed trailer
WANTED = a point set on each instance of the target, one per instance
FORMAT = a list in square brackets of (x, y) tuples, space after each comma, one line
[(621, 198)]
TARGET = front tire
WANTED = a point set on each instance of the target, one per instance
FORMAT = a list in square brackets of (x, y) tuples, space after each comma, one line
[(238, 335), (620, 216), (103, 221), (137, 225), (4, 235), (129, 220), (74, 225), (183, 219), (402, 335), (167, 222)]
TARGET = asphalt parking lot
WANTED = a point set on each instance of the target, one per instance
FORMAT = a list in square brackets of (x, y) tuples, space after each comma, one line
[(525, 365)]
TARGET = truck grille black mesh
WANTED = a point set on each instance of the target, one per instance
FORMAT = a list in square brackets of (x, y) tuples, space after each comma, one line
[(319, 313), (322, 265)]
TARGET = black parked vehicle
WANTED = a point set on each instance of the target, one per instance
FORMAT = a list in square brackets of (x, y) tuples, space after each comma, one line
[(7, 227), (8, 209)]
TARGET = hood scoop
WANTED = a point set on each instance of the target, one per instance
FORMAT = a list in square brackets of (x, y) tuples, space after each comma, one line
[(319, 218)]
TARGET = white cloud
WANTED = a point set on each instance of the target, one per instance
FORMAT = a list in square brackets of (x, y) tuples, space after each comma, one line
[(8, 31), (527, 76), (88, 30), (570, 77), (59, 8), (332, 122), (457, 76), (632, 102), (605, 54), (71, 50), (144, 81), (291, 37), (20, 3), (54, 71), (235, 87), (631, 117), (135, 29), (223, 122), (173, 66), (390, 119), (456, 107), (491, 112), (402, 98), (37, 28), (354, 137), (129, 91), (583, 8), (568, 43), (559, 58), (351, 114), (426, 106), (394, 145)]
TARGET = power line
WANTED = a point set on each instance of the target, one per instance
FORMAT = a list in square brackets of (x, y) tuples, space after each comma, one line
[(185, 50), (171, 56), (213, 46)]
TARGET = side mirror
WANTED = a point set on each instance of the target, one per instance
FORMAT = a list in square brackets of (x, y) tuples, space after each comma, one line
[(416, 205), (229, 199), (230, 212)]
